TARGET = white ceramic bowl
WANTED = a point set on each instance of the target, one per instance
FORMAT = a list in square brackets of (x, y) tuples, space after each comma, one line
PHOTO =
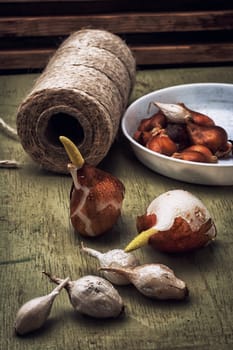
[(213, 99)]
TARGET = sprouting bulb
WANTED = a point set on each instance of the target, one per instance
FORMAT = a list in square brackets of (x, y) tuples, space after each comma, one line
[(175, 221), (93, 296), (113, 258), (33, 314), (154, 281), (96, 196)]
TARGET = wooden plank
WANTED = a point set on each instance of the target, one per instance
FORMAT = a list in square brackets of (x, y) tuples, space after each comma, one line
[(77, 7), (38, 1), (145, 55), (118, 23), (184, 54), (25, 59), (167, 2)]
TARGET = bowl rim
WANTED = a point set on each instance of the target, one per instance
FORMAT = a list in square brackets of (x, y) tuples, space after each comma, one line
[(162, 156)]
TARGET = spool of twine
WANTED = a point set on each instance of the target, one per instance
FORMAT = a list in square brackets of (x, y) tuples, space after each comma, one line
[(81, 94)]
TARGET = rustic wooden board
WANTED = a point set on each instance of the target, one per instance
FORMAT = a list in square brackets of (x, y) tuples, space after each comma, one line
[(159, 33), (36, 234), (173, 54), (133, 22)]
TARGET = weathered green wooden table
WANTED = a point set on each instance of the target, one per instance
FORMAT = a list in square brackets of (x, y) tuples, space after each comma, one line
[(36, 235)]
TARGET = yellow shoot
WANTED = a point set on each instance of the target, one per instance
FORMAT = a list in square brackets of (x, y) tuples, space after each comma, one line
[(141, 239), (72, 152)]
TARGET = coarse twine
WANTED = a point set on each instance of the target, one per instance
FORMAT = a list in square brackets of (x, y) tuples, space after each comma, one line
[(82, 94)]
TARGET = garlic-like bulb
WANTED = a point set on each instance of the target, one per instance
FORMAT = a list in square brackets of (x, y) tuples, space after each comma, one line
[(33, 314), (154, 281), (175, 113), (175, 221), (93, 296), (179, 113), (113, 258)]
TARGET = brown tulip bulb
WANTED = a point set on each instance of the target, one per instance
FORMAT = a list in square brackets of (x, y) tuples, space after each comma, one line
[(213, 137), (96, 196), (210, 158), (199, 118), (191, 156), (142, 137), (157, 120), (176, 221), (162, 143), (178, 133)]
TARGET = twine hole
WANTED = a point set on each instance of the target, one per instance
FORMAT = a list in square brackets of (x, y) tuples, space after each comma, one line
[(66, 125)]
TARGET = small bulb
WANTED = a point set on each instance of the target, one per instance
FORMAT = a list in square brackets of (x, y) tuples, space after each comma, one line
[(154, 281), (33, 314), (113, 258), (93, 296)]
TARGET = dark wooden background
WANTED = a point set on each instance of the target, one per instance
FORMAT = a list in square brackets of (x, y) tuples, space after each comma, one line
[(167, 32)]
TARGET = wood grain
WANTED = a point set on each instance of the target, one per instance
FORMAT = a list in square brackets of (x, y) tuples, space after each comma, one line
[(164, 33), (143, 22), (36, 235), (144, 55)]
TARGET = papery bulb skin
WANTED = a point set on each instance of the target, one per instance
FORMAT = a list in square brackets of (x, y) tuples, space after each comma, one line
[(174, 112), (161, 143), (148, 127), (34, 313), (176, 221), (156, 121), (178, 134), (114, 258), (118, 258), (210, 158), (93, 296), (182, 221), (156, 281), (96, 297), (181, 238), (213, 137), (179, 113), (96, 196), (145, 221), (175, 127), (225, 151), (198, 118), (142, 137), (145, 125), (191, 156), (95, 200)]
